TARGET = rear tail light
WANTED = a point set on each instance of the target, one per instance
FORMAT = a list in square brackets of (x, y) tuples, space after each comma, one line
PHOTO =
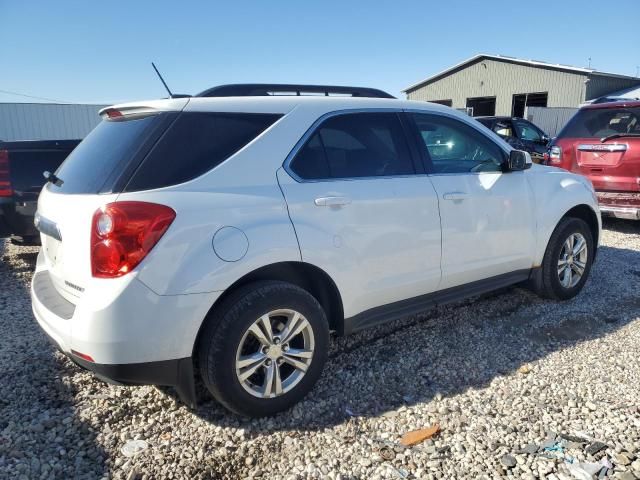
[(5, 179), (123, 233), (555, 154)]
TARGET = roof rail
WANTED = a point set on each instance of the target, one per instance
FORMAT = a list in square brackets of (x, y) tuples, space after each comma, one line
[(268, 89)]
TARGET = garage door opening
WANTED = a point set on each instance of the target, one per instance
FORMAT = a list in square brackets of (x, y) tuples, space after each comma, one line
[(482, 106), (522, 100)]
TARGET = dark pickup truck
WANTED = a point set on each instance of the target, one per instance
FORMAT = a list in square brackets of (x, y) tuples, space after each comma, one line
[(21, 167)]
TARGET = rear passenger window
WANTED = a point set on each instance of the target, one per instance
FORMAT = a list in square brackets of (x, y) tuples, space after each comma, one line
[(355, 145), (196, 143)]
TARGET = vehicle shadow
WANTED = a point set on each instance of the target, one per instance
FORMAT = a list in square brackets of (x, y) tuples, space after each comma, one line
[(455, 348), (42, 434), (621, 226)]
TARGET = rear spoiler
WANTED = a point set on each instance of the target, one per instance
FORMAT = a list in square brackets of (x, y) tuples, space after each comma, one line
[(142, 109)]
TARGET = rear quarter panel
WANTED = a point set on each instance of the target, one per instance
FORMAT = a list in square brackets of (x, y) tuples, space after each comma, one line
[(242, 192), (185, 262)]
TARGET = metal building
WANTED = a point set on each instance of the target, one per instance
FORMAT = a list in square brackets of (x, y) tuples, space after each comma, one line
[(500, 85), (47, 121)]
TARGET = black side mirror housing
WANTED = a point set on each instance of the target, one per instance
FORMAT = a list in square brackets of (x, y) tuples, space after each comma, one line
[(518, 160)]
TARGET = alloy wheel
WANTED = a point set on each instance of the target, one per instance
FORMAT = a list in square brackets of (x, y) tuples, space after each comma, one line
[(573, 260), (275, 353)]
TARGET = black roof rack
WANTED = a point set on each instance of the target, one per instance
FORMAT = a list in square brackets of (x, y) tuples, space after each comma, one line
[(268, 89)]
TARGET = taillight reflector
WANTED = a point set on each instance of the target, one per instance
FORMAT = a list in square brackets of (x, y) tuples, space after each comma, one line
[(123, 233), (5, 178), (83, 356)]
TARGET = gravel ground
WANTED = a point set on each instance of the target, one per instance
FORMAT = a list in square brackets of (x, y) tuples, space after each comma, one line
[(499, 374)]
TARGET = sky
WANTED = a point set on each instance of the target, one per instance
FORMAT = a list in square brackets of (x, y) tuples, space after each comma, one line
[(100, 52)]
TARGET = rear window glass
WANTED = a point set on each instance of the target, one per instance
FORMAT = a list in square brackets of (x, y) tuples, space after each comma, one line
[(355, 145), (194, 144), (601, 122), (108, 148)]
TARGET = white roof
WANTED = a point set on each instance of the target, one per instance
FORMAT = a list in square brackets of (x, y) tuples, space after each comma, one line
[(505, 58), (275, 104)]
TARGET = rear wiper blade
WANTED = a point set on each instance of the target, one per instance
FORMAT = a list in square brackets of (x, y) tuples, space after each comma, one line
[(618, 135), (52, 178)]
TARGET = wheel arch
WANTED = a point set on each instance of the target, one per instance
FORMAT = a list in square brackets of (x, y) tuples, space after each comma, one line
[(304, 275), (586, 213)]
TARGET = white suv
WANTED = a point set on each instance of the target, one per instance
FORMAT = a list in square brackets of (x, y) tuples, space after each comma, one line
[(225, 235)]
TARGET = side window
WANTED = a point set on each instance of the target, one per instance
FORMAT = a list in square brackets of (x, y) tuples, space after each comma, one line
[(527, 131), (195, 143), (355, 145), (455, 147)]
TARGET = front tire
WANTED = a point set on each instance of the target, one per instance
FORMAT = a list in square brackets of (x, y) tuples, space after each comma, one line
[(263, 348), (567, 260)]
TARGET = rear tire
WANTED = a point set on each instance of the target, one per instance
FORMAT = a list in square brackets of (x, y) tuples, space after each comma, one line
[(567, 260), (256, 372)]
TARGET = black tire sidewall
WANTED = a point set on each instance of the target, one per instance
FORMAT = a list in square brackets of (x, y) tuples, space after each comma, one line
[(218, 351), (567, 227)]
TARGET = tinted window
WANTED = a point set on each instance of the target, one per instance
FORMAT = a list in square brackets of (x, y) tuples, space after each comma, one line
[(355, 145), (528, 131), (598, 123), (455, 147), (194, 144), (108, 148)]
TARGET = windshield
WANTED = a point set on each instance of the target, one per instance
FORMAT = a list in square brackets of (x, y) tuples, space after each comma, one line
[(107, 150), (598, 123)]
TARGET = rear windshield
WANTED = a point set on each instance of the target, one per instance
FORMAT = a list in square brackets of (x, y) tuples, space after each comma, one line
[(598, 123), (196, 143), (107, 149)]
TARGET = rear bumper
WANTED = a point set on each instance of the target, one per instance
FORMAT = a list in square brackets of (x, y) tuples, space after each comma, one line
[(624, 205), (628, 213), (174, 373), (16, 219), (133, 335)]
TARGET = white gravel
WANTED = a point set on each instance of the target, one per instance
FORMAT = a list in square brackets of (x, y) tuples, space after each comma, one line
[(458, 366)]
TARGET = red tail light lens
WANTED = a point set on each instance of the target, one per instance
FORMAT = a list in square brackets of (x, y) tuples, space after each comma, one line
[(5, 178), (123, 233), (113, 113)]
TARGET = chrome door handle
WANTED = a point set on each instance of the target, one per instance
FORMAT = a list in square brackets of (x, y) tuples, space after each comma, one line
[(332, 201), (455, 196)]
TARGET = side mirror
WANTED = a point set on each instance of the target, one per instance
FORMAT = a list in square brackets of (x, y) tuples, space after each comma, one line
[(545, 139), (518, 160)]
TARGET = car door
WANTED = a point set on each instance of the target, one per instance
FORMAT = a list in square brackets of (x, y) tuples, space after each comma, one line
[(487, 215), (362, 211), (531, 137)]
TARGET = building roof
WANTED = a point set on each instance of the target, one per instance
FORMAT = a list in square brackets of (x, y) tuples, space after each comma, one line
[(47, 121), (518, 61)]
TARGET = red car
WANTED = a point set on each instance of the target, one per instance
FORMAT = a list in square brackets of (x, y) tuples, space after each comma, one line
[(602, 142)]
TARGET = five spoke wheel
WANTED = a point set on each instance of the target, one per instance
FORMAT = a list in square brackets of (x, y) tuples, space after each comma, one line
[(275, 353), (572, 260)]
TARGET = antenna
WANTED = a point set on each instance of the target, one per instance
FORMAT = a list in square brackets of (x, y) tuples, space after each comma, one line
[(162, 80), (589, 67)]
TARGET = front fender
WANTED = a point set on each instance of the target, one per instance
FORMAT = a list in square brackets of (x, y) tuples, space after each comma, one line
[(556, 192)]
